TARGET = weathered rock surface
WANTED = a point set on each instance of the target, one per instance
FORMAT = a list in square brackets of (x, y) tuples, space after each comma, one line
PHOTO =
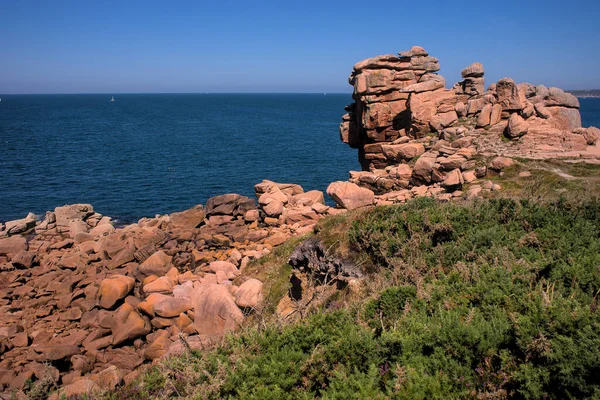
[(349, 195), (95, 301), (114, 289), (189, 219), (417, 138), (249, 294), (215, 310)]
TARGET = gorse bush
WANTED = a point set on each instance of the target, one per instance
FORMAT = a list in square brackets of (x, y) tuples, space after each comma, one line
[(507, 301), (493, 299)]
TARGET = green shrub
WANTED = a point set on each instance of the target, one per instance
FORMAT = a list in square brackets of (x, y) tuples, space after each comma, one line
[(492, 299), (389, 306)]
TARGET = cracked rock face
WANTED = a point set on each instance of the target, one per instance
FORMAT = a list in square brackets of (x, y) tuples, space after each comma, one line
[(404, 96), (417, 138)]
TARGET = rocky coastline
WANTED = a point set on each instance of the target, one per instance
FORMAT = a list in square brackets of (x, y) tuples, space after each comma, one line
[(84, 303)]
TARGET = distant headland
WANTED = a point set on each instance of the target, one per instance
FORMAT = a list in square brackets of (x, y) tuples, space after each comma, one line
[(585, 93)]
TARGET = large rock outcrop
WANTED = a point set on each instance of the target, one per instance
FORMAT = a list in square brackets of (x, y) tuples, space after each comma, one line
[(417, 138), (402, 99)]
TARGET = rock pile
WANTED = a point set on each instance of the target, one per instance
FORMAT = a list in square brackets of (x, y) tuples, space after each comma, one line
[(415, 137), (84, 303)]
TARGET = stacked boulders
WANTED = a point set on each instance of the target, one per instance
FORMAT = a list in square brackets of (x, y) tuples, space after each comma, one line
[(473, 83), (382, 88), (286, 204), (417, 138), (401, 99), (84, 304)]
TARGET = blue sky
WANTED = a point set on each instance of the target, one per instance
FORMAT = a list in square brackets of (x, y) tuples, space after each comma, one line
[(281, 46)]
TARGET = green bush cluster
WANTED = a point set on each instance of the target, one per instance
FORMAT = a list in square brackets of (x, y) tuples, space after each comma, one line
[(508, 291), (492, 299)]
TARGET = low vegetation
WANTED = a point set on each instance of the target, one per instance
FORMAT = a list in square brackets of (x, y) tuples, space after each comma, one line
[(550, 180), (486, 300), (491, 299)]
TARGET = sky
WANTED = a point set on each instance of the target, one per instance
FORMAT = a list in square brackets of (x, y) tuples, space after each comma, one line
[(64, 46)]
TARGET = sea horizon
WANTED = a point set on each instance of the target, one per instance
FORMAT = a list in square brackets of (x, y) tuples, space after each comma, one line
[(136, 158), (150, 153), (222, 93), (190, 93)]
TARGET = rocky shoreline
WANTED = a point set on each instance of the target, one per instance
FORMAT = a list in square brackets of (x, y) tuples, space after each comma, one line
[(85, 303)]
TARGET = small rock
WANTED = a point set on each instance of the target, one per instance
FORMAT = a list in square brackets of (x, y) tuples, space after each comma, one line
[(249, 294), (500, 163), (114, 289), (157, 264), (13, 245), (474, 70), (349, 195), (170, 307), (224, 266), (215, 310), (453, 179), (127, 324)]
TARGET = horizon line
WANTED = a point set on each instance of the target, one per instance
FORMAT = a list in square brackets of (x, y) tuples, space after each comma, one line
[(201, 93), (191, 93)]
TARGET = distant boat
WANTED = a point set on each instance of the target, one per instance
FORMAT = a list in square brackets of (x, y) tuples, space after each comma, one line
[(112, 98), (324, 94)]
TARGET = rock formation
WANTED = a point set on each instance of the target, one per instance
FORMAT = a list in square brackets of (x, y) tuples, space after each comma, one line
[(415, 137), (83, 303)]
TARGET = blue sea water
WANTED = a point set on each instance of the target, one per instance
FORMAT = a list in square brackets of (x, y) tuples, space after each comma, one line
[(146, 154), (590, 111)]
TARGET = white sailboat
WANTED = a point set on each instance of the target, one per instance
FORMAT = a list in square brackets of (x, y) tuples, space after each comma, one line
[(112, 98)]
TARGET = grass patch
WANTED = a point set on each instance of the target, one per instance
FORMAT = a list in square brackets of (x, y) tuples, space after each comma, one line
[(550, 180)]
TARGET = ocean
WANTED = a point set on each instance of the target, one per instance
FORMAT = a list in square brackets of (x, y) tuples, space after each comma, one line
[(148, 154)]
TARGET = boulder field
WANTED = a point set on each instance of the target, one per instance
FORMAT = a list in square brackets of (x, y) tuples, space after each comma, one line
[(84, 303)]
